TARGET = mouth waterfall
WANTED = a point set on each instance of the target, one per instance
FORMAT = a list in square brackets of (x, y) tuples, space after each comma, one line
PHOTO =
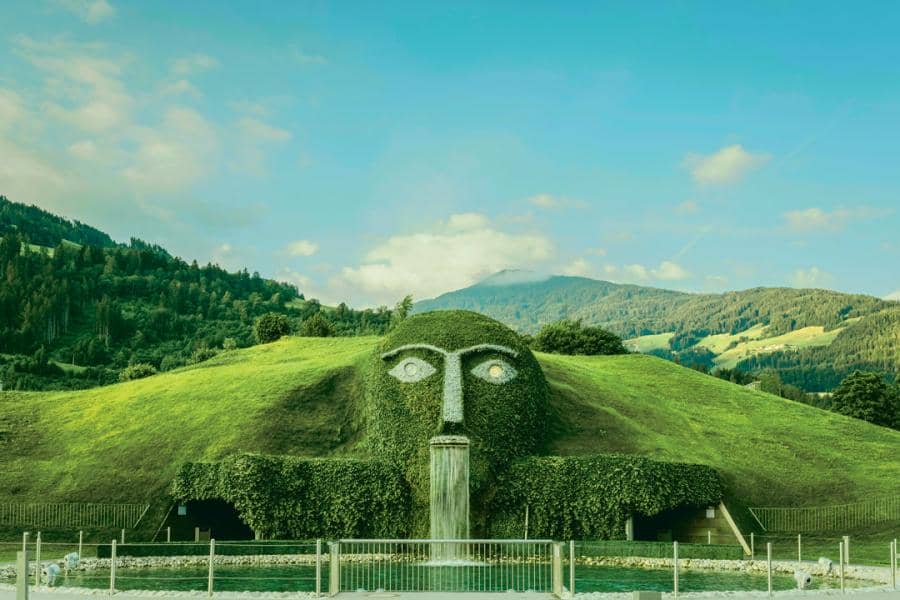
[(449, 495)]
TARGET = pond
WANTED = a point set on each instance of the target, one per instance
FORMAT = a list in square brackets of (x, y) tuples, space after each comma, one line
[(300, 578)]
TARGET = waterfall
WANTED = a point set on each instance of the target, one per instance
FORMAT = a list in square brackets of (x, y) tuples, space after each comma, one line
[(449, 495)]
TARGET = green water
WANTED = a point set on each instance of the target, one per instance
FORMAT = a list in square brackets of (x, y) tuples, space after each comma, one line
[(301, 578)]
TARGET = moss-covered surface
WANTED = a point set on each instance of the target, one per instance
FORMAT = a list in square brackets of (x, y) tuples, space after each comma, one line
[(503, 421)]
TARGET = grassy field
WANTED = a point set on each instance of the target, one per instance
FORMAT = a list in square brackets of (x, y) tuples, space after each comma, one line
[(124, 443), (646, 343), (717, 344), (806, 337)]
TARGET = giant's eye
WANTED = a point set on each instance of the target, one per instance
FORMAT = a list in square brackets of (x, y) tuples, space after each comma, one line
[(495, 371), (411, 370)]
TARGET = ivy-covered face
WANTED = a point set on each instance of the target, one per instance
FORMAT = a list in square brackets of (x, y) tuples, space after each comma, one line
[(455, 372)]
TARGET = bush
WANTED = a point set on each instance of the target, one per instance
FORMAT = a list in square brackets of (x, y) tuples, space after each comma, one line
[(137, 371), (571, 337), (869, 397), (229, 343), (270, 327), (202, 354), (591, 497), (304, 498), (317, 326)]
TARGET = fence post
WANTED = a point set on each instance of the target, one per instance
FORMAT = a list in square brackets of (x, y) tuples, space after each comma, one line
[(168, 534), (841, 560), (769, 565), (708, 537), (572, 568), (894, 566), (80, 544), (112, 568), (799, 548), (25, 541), (22, 575), (752, 547), (557, 569), (196, 534), (334, 566), (675, 568), (212, 556), (123, 537), (37, 561), (318, 568), (847, 549)]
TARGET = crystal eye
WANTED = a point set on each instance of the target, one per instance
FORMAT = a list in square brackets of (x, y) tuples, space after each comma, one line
[(495, 371), (411, 370)]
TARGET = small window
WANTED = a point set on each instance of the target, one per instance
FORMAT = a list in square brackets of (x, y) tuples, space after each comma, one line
[(182, 510), (710, 513)]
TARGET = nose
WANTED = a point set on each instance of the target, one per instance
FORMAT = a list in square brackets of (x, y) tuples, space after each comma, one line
[(452, 411)]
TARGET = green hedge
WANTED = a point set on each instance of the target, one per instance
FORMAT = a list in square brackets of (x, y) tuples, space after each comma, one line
[(248, 548), (502, 421), (658, 550), (301, 498), (591, 497)]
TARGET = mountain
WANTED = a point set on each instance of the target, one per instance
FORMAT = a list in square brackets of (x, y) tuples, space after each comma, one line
[(77, 308), (813, 337), (303, 396)]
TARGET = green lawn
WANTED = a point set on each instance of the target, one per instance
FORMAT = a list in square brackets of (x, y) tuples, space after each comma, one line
[(806, 337), (646, 343), (124, 443)]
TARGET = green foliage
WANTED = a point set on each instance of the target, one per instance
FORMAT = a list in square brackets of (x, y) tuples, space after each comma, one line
[(869, 397), (658, 550), (137, 371), (571, 337), (244, 548), (304, 498), (402, 310), (317, 326), (503, 421), (591, 497), (229, 344), (270, 327)]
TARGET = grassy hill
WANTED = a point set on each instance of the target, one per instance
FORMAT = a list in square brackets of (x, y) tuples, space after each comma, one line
[(300, 396), (786, 329)]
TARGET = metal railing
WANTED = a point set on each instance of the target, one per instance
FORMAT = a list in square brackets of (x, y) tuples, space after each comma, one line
[(72, 514), (445, 565), (828, 518)]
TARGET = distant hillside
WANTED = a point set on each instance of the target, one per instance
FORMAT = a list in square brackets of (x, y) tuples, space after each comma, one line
[(76, 308), (302, 396), (818, 336)]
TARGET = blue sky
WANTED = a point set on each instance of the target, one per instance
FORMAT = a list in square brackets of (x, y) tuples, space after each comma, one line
[(368, 150)]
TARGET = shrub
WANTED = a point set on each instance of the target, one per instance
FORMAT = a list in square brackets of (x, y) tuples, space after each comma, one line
[(571, 337), (317, 326), (270, 327), (229, 343), (590, 497), (304, 498), (202, 354), (137, 371)]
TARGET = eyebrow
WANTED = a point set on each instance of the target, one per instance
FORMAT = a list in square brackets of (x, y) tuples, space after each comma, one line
[(463, 351)]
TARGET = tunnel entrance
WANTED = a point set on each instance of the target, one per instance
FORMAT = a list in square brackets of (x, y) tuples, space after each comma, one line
[(216, 519)]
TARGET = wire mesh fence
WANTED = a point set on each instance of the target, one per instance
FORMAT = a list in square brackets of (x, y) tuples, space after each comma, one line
[(828, 518), (71, 514)]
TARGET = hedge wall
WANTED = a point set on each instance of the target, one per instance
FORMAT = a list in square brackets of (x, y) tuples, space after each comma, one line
[(591, 497), (503, 421), (304, 498)]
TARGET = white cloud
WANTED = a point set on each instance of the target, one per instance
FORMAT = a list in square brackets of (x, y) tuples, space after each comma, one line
[(548, 201), (811, 278), (194, 63), (816, 219), (598, 251), (84, 150), (26, 177), (688, 207), (667, 270), (445, 258), (578, 268), (716, 281), (182, 86), (11, 111), (893, 296), (301, 248), (262, 131), (728, 165), (89, 11)]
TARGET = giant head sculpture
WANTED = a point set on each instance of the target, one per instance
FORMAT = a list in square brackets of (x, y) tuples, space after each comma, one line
[(461, 373)]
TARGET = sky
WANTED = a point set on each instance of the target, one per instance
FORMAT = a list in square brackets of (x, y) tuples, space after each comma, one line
[(364, 151)]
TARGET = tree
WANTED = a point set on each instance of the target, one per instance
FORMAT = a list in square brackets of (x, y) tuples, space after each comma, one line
[(137, 371), (571, 337), (869, 397), (401, 310), (317, 326), (270, 327)]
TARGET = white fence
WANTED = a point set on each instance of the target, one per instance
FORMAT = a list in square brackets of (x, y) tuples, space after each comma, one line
[(828, 518), (72, 514)]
